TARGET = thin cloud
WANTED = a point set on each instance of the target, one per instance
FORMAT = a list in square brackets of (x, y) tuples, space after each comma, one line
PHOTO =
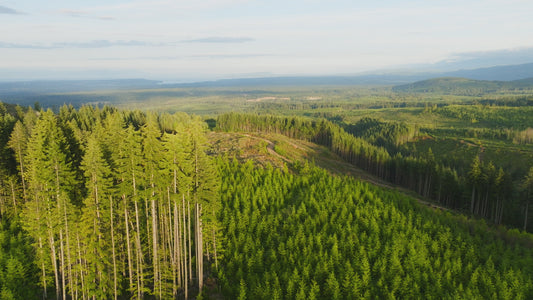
[(106, 18), (91, 44), (219, 39), (102, 44), (74, 13), (224, 56), (9, 11), (84, 14), (182, 57), (20, 46)]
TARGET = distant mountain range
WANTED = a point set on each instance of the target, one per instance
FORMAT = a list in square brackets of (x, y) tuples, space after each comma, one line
[(497, 73), (391, 78), (463, 86)]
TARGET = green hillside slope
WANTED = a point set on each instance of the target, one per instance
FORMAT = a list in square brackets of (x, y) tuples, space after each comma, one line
[(311, 235)]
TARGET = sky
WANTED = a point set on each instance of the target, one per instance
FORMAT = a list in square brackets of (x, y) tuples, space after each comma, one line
[(211, 39)]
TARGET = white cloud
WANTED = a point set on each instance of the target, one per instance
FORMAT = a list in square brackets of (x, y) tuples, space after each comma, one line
[(90, 44), (220, 39), (83, 14)]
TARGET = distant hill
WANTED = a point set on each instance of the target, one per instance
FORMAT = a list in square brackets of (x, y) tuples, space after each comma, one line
[(463, 86), (501, 73), (371, 79)]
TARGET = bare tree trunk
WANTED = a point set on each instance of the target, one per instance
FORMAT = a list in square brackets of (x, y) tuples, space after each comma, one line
[(113, 249), (181, 276), (67, 246), (62, 265), (139, 253), (196, 240), (43, 269), (215, 244), (186, 278), (176, 266), (189, 234), (80, 261), (175, 181), (128, 243), (54, 263), (200, 257), (165, 252), (148, 235), (155, 260), (133, 182), (170, 238)]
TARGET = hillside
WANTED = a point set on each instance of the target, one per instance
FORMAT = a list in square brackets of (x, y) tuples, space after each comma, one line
[(281, 151), (463, 86), (281, 210), (307, 234)]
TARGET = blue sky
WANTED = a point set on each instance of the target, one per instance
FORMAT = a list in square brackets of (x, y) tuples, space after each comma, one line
[(191, 40)]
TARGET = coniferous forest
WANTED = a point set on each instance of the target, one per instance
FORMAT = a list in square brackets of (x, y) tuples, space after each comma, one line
[(249, 150), (104, 203)]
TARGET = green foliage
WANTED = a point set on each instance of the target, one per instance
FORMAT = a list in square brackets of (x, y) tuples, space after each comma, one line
[(389, 135), (106, 199), (495, 117), (18, 273), (127, 203), (434, 177), (335, 238)]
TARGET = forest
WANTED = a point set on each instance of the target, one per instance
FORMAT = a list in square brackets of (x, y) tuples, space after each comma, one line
[(105, 202)]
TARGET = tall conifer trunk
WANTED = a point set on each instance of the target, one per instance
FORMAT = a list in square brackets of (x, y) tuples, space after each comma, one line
[(140, 273), (62, 265), (128, 243), (113, 249), (155, 260), (54, 263), (189, 237), (186, 278), (43, 269)]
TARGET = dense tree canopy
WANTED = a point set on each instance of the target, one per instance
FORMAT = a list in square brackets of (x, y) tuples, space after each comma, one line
[(107, 204), (108, 201), (482, 189), (313, 236)]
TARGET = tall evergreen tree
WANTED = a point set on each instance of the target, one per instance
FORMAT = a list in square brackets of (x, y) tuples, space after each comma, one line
[(50, 181), (96, 220), (18, 142)]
